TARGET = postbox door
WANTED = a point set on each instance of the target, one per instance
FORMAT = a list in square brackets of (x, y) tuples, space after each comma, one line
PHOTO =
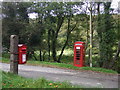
[(22, 54)]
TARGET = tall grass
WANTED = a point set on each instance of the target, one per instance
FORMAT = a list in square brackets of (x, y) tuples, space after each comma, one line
[(14, 81), (67, 62), (70, 66)]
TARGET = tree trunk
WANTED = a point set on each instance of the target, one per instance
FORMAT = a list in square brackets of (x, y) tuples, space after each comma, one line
[(100, 61), (106, 41), (54, 37), (29, 54), (68, 34), (44, 56), (91, 35), (86, 44), (32, 53), (118, 52), (66, 40), (54, 46), (48, 44), (115, 57), (40, 55), (35, 57), (63, 49)]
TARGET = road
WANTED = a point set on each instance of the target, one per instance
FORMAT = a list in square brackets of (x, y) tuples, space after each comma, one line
[(88, 79)]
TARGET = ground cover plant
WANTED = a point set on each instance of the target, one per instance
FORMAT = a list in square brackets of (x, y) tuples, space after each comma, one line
[(64, 65), (14, 81)]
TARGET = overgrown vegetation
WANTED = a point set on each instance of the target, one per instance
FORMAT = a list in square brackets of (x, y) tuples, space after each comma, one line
[(14, 81), (68, 65), (58, 25)]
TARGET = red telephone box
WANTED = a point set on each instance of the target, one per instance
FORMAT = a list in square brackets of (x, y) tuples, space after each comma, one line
[(79, 54), (22, 52)]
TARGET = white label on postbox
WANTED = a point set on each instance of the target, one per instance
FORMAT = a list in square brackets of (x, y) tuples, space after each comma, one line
[(23, 57), (77, 47)]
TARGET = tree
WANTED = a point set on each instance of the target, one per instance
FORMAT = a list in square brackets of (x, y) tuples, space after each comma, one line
[(91, 34), (14, 21), (115, 63), (106, 35), (64, 10), (40, 27), (53, 16)]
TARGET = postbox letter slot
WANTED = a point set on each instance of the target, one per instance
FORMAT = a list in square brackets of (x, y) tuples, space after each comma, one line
[(23, 50)]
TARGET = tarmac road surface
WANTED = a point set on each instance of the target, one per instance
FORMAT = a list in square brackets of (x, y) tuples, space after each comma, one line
[(89, 79)]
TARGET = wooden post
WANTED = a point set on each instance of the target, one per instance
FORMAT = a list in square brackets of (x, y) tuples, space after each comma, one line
[(14, 54), (91, 34)]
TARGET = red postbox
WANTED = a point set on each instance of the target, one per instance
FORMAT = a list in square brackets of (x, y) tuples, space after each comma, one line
[(22, 52), (79, 54)]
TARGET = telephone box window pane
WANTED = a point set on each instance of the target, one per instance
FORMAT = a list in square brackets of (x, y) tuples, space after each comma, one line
[(77, 55), (77, 58), (77, 52)]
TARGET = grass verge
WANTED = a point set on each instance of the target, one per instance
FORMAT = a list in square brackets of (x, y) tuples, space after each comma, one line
[(64, 65), (14, 81), (69, 66)]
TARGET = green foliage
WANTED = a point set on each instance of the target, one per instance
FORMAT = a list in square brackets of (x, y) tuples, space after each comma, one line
[(106, 36), (14, 21), (6, 55), (14, 81), (99, 69), (65, 65), (67, 62), (5, 60), (69, 66), (54, 19), (49, 31)]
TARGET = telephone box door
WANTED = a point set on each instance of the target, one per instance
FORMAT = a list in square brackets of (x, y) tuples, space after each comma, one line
[(79, 54)]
